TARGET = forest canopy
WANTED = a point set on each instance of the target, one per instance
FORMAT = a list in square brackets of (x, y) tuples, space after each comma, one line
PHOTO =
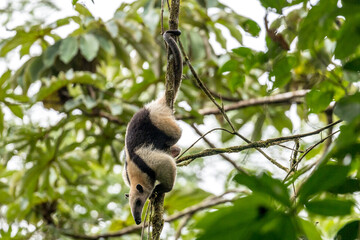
[(278, 155)]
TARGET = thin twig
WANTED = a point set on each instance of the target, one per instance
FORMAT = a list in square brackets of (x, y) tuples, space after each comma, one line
[(203, 87), (226, 98), (293, 159), (297, 150), (151, 211), (221, 154), (146, 215), (306, 152), (182, 224), (193, 144), (162, 17), (221, 108), (103, 114), (259, 144), (287, 97)]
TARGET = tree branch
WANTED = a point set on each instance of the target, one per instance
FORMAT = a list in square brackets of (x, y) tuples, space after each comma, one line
[(157, 220), (221, 108), (306, 152), (182, 224), (106, 115), (221, 154), (287, 97), (183, 161)]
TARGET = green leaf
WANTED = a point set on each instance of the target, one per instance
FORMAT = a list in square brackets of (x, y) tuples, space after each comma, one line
[(35, 69), (249, 218), (106, 44), (178, 200), (63, 80), (318, 100), (116, 108), (50, 54), (330, 207), (137, 88), (30, 179), (347, 144), (235, 33), (351, 185), (69, 148), (219, 37), (281, 71), (258, 127), (68, 49), (309, 229), (112, 28), (67, 171), (16, 110), (349, 40), (229, 66), (122, 54), (82, 10), (193, 43), (353, 65), (89, 46), (266, 185), (5, 197), (226, 224), (1, 122), (242, 51), (278, 4), (236, 80), (13, 212), (317, 24), (348, 108), (350, 231), (25, 49), (6, 75), (72, 104), (319, 180), (89, 102), (281, 121), (248, 25), (19, 39)]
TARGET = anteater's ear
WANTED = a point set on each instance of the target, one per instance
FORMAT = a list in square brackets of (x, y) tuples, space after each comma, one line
[(126, 195), (139, 188)]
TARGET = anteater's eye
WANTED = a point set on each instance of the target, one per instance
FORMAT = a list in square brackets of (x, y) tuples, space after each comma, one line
[(139, 188)]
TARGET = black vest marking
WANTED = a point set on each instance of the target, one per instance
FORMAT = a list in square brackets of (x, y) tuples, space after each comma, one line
[(127, 174), (144, 167), (142, 132)]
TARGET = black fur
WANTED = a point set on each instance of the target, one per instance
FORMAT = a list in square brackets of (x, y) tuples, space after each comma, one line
[(139, 188), (127, 174), (142, 132), (177, 55)]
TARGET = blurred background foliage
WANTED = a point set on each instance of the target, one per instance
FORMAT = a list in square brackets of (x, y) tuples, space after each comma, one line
[(65, 175)]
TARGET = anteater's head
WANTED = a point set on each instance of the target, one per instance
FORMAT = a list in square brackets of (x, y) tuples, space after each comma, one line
[(137, 198)]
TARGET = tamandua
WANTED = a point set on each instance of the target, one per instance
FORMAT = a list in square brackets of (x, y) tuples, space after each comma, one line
[(150, 142)]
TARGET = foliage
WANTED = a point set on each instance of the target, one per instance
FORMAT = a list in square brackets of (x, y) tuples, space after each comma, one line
[(63, 178)]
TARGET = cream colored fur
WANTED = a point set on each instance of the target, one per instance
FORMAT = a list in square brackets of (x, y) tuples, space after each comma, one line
[(162, 163), (136, 176), (163, 118)]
